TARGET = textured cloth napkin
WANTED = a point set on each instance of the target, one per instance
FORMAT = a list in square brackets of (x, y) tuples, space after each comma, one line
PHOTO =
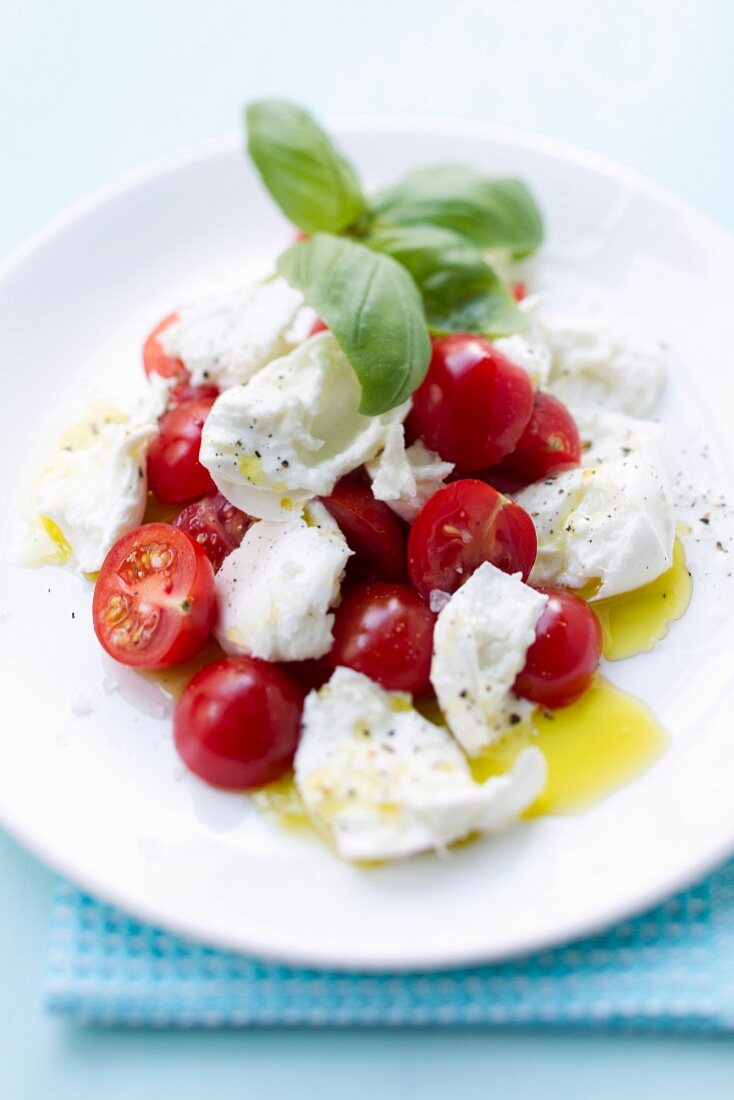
[(672, 969)]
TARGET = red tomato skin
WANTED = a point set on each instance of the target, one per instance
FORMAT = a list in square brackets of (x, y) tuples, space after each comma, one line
[(561, 663), (237, 723), (463, 525), (175, 474), (549, 445), (155, 360), (178, 598), (189, 391), (385, 631), (216, 525), (473, 405), (372, 531)]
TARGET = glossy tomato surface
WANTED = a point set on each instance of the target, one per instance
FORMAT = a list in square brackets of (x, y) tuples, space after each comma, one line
[(549, 445), (473, 405), (237, 723), (154, 601), (175, 473), (216, 525), (189, 391), (371, 529), (561, 662), (462, 525), (155, 360), (386, 632)]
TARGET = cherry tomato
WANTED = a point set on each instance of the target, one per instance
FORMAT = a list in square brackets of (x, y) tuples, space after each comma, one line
[(462, 525), (372, 531), (237, 723), (473, 405), (386, 632), (155, 360), (174, 471), (154, 601), (518, 291), (190, 391), (561, 662), (550, 444), (317, 326), (215, 524)]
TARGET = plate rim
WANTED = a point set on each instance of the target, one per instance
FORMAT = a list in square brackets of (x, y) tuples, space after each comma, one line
[(336, 958)]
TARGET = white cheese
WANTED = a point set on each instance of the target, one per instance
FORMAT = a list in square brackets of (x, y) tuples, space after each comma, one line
[(611, 521), (225, 339), (406, 477), (528, 349), (385, 783), (292, 432), (275, 590), (95, 487), (479, 646), (594, 362)]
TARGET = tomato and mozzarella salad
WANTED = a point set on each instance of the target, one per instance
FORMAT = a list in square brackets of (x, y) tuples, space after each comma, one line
[(392, 590)]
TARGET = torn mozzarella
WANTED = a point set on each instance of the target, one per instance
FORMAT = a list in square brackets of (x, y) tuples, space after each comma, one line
[(406, 477), (292, 432), (276, 589), (227, 338), (385, 783), (479, 646)]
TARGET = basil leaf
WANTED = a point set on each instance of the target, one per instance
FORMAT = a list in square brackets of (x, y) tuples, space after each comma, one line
[(315, 187), (489, 213), (373, 308), (461, 292)]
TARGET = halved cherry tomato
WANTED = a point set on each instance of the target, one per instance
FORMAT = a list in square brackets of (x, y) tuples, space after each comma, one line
[(386, 632), (189, 391), (461, 526), (215, 524), (154, 601), (549, 445), (174, 471), (237, 723), (473, 405), (155, 360), (561, 662), (372, 531)]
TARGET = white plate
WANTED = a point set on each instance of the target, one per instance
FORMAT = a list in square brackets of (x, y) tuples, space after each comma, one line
[(102, 797)]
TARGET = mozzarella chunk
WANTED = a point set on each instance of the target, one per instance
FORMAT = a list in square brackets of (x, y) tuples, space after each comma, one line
[(610, 522), (479, 646), (385, 783), (528, 349), (275, 590), (406, 477), (593, 362), (292, 432), (95, 487), (227, 338)]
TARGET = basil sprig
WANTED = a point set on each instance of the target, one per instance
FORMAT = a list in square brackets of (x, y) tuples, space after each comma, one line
[(461, 291), (492, 214), (372, 306), (312, 183), (381, 273)]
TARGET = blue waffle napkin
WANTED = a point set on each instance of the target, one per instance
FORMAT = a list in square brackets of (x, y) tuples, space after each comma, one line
[(672, 969)]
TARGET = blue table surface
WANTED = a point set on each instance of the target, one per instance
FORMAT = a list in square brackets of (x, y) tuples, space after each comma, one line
[(90, 91)]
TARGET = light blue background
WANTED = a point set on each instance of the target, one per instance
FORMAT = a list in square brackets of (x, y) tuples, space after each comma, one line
[(90, 90)]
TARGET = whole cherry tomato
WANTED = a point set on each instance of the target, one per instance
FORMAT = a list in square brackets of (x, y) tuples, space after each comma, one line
[(473, 405)]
